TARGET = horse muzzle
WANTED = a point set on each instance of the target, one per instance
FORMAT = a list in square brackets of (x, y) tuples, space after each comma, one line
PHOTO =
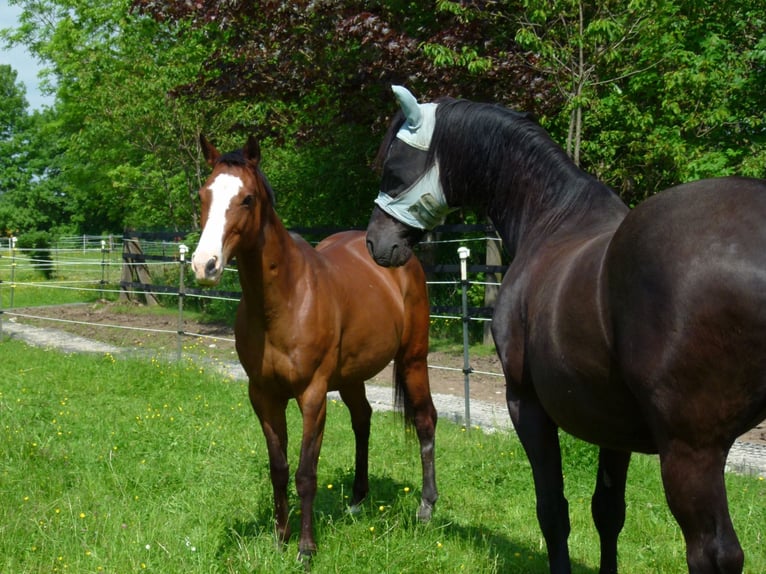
[(389, 241), (207, 268)]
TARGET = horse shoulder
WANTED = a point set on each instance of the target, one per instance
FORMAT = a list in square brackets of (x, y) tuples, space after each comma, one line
[(509, 322)]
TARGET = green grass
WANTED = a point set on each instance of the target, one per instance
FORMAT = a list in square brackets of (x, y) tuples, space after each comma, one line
[(75, 278), (116, 465)]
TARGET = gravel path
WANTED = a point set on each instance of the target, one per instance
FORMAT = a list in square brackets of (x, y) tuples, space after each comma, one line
[(744, 457)]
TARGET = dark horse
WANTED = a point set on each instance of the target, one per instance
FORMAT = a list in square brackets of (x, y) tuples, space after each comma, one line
[(312, 321), (640, 330)]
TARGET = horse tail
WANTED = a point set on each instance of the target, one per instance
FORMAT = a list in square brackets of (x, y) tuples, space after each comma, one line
[(402, 399)]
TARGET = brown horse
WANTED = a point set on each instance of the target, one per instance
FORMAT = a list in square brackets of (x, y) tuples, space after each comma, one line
[(312, 321), (640, 330)]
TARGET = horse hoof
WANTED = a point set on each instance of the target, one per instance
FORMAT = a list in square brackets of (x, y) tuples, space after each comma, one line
[(425, 511), (354, 509), (304, 557)]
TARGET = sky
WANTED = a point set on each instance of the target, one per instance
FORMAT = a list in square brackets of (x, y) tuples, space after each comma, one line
[(20, 60)]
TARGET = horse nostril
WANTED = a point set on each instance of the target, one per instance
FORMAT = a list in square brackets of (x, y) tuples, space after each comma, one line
[(210, 265)]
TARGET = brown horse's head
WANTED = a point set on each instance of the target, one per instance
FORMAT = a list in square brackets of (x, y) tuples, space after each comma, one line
[(233, 201)]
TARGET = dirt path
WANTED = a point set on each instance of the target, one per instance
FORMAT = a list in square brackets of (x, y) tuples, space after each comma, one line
[(139, 328)]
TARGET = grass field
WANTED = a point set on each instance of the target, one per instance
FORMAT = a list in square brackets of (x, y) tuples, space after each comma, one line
[(76, 277), (116, 465)]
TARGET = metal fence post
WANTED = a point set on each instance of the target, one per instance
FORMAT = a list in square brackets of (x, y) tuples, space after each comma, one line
[(182, 250), (103, 267), (13, 268), (464, 253)]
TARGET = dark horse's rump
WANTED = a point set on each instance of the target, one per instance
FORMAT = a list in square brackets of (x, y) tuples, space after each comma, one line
[(686, 278), (637, 331)]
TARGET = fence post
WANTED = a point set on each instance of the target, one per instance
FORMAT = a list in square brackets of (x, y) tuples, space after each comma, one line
[(464, 253), (103, 267), (182, 250), (13, 268), (1, 307)]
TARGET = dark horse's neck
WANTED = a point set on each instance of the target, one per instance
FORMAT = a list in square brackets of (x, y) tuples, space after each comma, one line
[(505, 164)]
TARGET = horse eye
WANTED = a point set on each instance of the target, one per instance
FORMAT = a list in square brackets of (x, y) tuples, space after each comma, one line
[(247, 201)]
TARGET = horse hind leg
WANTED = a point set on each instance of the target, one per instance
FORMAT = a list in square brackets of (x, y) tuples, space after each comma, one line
[(608, 504), (696, 493), (413, 394), (356, 400)]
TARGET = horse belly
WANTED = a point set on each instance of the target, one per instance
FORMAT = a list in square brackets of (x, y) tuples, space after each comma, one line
[(588, 400), (382, 309), (600, 412), (370, 341)]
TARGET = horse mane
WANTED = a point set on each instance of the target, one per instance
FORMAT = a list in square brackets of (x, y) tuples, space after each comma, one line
[(237, 158), (504, 163)]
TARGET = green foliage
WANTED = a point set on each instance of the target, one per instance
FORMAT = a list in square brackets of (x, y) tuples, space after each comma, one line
[(328, 184), (643, 94), (13, 149), (667, 90), (467, 57)]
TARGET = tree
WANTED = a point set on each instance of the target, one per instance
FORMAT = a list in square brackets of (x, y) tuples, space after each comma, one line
[(582, 47), (647, 93), (130, 157), (656, 92), (14, 123)]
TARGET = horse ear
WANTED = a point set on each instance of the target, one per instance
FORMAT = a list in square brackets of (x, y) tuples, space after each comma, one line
[(252, 151), (409, 105), (208, 150)]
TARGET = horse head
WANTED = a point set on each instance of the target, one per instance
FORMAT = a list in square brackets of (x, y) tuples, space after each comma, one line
[(233, 201), (411, 200)]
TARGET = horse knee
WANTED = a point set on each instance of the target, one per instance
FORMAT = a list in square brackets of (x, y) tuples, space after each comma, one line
[(280, 477), (716, 552), (732, 559), (306, 484), (425, 421), (719, 557)]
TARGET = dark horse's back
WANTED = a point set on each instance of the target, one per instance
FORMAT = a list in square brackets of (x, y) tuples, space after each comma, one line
[(686, 275)]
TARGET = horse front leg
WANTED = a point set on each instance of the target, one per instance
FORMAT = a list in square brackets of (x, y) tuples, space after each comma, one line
[(539, 437), (313, 405), (608, 504), (355, 399), (271, 415), (696, 493)]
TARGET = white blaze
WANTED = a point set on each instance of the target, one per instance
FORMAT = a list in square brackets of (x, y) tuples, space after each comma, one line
[(223, 189)]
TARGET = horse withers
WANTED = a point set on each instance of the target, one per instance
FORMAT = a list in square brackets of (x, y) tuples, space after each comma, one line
[(636, 330), (312, 321)]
